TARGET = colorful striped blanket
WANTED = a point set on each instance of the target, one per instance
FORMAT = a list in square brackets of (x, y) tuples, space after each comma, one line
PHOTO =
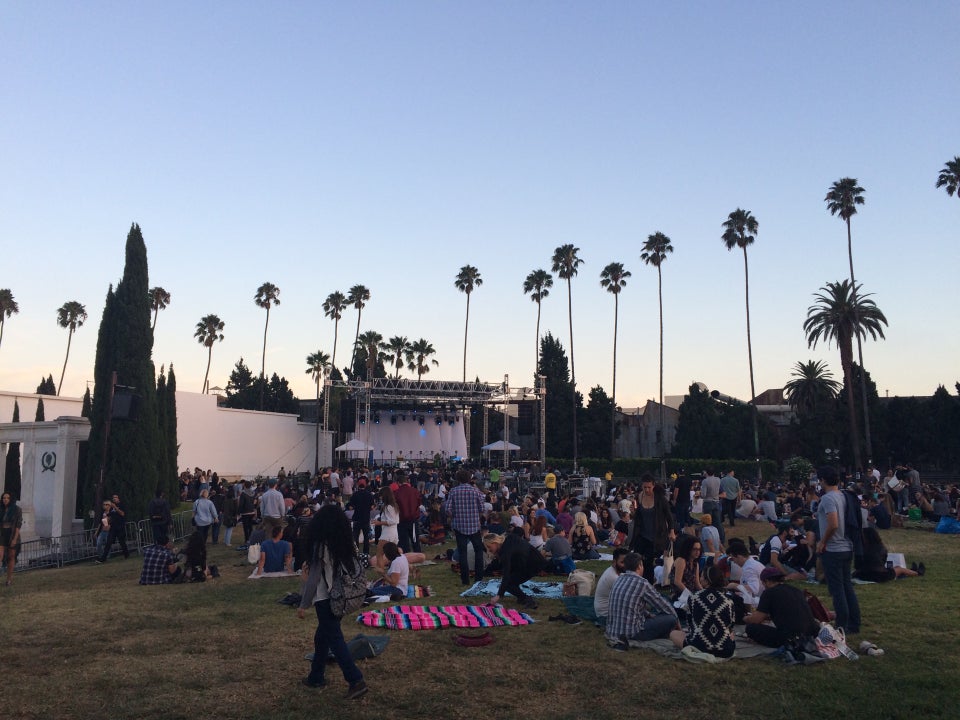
[(422, 617)]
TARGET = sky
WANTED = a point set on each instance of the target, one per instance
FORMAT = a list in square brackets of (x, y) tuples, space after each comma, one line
[(319, 145)]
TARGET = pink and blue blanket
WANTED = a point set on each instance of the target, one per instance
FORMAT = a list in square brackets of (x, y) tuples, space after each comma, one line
[(422, 617)]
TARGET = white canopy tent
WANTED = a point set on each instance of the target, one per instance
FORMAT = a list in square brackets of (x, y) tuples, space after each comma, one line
[(500, 446)]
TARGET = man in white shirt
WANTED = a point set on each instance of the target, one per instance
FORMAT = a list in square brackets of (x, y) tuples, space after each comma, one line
[(749, 586), (601, 598)]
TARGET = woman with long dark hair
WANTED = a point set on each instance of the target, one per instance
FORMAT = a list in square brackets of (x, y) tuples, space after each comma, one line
[(330, 542)]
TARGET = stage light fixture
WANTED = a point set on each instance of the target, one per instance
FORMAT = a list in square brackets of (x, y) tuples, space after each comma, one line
[(393, 420)]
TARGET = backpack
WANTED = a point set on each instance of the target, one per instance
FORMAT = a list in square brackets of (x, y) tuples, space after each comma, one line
[(765, 551), (349, 589), (818, 609), (853, 521)]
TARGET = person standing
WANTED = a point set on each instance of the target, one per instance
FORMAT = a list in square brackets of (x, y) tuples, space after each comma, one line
[(330, 543), (272, 506), (362, 501), (229, 514), (652, 526), (160, 518), (204, 514), (464, 506), (408, 506), (732, 494), (117, 520), (681, 500), (550, 484), (710, 493), (217, 499), (836, 552), (11, 520), (247, 510)]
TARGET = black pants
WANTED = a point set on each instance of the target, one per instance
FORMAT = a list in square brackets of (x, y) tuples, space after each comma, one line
[(474, 539), (648, 551), (730, 510), (767, 635), (247, 522), (362, 527), (116, 535), (511, 583), (409, 537)]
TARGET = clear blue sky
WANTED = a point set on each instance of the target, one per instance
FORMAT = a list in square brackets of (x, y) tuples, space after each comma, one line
[(319, 145)]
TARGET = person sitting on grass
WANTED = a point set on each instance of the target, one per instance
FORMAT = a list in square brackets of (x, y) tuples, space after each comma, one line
[(159, 564), (637, 610), (686, 567), (710, 615), (396, 577), (519, 562), (875, 567), (709, 539), (196, 554), (601, 597), (749, 587), (582, 539), (774, 551), (276, 554), (786, 608)]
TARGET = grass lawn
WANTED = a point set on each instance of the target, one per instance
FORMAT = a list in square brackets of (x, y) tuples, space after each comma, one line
[(88, 642)]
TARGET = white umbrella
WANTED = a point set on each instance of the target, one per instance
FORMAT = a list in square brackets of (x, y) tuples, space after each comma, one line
[(501, 446), (355, 445)]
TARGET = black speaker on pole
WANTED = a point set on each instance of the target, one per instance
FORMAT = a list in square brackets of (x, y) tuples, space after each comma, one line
[(348, 415), (126, 404), (525, 417)]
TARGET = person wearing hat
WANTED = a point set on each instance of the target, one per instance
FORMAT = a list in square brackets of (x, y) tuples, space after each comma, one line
[(709, 537), (785, 607)]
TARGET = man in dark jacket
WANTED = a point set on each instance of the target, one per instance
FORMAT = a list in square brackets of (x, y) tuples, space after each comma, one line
[(408, 507), (362, 502), (160, 518), (519, 562)]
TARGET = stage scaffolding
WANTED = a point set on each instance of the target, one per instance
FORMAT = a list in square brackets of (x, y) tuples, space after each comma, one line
[(441, 395)]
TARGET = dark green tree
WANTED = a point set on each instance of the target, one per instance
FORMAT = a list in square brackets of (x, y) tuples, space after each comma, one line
[(40, 416), (163, 460), (698, 426), (560, 397), (125, 346), (47, 386), (87, 405), (171, 446), (12, 477), (595, 424)]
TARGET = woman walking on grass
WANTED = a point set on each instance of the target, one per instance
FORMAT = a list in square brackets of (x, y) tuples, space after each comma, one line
[(330, 542)]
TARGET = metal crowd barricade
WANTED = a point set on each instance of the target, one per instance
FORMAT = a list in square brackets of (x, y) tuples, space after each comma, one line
[(82, 546)]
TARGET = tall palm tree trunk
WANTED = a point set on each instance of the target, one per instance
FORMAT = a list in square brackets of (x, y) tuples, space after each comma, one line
[(356, 337), (466, 326), (573, 371), (64, 371), (753, 392), (263, 360), (536, 353), (662, 429), (333, 360), (206, 375), (156, 311), (2, 323), (846, 359), (613, 395), (863, 374)]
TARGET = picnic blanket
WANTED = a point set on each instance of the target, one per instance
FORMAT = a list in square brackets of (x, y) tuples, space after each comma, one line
[(491, 586), (257, 576), (413, 592), (745, 649), (423, 617)]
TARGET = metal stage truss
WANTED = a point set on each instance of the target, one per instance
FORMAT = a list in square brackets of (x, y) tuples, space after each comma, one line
[(440, 395)]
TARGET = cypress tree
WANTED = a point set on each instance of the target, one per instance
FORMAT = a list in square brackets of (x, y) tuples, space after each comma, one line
[(13, 479), (163, 460), (170, 400), (87, 404), (40, 414), (125, 346)]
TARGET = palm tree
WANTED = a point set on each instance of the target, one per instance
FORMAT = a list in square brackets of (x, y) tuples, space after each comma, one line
[(419, 359), (740, 230), (613, 277), (318, 364), (333, 308), (466, 280), (537, 285), (811, 387), (370, 341), (565, 264), (267, 296), (159, 299), (70, 315), (358, 297), (842, 199), (655, 251), (950, 177), (8, 307), (839, 314), (209, 330), (395, 351)]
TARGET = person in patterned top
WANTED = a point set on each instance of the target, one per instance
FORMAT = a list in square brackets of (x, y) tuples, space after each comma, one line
[(637, 610), (159, 564), (710, 616)]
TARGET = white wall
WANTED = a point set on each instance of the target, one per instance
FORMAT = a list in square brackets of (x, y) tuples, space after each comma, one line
[(234, 443)]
